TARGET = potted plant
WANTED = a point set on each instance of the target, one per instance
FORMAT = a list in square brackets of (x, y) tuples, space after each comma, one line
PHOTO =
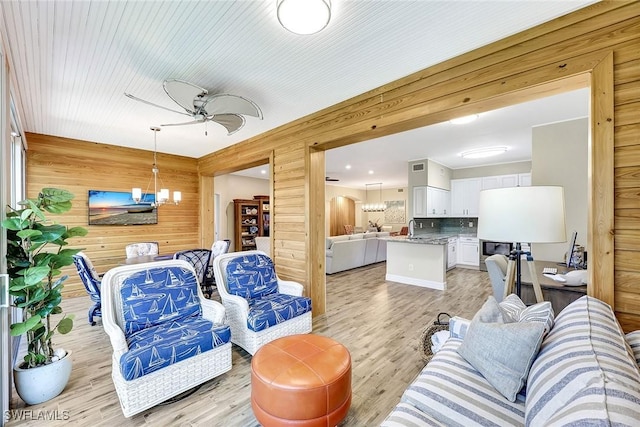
[(36, 251)]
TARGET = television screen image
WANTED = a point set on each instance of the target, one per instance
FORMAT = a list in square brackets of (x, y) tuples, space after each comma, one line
[(119, 208)]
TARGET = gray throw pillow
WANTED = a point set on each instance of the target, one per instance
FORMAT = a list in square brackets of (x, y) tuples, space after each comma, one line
[(490, 312), (502, 352)]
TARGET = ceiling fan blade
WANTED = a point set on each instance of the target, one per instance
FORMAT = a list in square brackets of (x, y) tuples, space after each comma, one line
[(185, 123), (231, 104), (155, 105), (183, 93), (232, 122)]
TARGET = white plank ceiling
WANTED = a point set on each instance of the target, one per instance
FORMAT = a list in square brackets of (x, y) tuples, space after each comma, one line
[(72, 61)]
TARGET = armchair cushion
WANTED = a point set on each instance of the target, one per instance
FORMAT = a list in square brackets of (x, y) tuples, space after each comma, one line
[(251, 276), (162, 345), (275, 308), (155, 296)]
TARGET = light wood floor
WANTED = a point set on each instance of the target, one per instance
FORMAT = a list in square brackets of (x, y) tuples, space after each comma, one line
[(378, 321)]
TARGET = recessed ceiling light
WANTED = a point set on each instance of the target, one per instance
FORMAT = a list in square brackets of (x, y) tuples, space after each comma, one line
[(370, 172), (348, 167), (263, 172), (464, 120), (481, 153)]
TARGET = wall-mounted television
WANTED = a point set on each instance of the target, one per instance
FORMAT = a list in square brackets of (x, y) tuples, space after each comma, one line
[(119, 208)]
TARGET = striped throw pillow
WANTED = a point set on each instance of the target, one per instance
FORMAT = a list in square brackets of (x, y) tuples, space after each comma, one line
[(633, 339), (585, 373), (514, 310), (458, 327)]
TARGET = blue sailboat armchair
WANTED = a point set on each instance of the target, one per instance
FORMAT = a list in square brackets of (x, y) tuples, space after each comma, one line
[(260, 306), (166, 337)]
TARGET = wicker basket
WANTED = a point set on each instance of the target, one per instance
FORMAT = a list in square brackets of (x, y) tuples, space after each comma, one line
[(424, 346)]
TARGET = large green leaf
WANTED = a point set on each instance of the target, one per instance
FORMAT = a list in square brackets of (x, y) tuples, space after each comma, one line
[(14, 224), (36, 210), (50, 232), (34, 275), (65, 325), (29, 233), (22, 327), (76, 232), (58, 207), (56, 195)]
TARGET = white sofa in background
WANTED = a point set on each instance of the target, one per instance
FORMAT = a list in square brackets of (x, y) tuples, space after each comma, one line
[(355, 250)]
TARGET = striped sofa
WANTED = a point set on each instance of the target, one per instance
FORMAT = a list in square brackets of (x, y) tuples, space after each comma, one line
[(585, 374)]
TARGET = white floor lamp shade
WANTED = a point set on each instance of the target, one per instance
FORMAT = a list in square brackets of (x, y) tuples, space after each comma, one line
[(522, 214)]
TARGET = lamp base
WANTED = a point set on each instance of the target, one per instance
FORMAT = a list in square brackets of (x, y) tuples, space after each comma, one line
[(513, 277)]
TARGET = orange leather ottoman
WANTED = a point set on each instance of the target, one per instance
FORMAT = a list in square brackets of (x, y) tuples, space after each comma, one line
[(301, 380)]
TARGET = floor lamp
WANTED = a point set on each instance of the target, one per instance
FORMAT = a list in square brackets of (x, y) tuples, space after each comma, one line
[(522, 215)]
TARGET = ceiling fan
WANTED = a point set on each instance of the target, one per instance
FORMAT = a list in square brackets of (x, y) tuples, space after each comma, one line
[(224, 109)]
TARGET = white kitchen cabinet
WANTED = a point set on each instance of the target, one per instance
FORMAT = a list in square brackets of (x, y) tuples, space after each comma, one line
[(508, 180), (468, 251), (524, 179), (420, 201), (452, 253), (499, 181), (438, 201), (465, 196), (430, 202)]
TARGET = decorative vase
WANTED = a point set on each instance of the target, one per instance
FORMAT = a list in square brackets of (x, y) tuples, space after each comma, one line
[(37, 385)]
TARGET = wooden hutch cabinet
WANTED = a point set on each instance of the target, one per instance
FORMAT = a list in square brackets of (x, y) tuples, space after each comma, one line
[(252, 219)]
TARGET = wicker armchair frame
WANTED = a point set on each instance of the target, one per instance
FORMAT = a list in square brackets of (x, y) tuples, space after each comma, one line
[(149, 390), (238, 309)]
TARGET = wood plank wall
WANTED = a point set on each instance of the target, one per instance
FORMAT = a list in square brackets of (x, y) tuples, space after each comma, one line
[(79, 166), (560, 55)]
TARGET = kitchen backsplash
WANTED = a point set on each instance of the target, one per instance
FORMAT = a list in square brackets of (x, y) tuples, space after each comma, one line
[(446, 225)]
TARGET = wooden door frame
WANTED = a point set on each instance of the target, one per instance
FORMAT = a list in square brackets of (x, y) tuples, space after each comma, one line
[(587, 70)]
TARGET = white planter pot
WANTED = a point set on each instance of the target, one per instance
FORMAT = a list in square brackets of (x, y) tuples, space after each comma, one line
[(37, 385)]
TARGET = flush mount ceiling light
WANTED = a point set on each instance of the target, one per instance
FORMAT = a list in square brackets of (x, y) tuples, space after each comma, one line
[(464, 120), (304, 16), (481, 153)]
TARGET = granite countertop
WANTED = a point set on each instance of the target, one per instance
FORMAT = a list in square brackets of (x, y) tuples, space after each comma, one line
[(428, 239), (424, 239)]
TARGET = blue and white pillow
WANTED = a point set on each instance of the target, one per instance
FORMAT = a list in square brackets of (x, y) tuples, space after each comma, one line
[(158, 295), (251, 276)]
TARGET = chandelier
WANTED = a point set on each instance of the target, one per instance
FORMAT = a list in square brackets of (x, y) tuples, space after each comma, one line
[(373, 207), (162, 196)]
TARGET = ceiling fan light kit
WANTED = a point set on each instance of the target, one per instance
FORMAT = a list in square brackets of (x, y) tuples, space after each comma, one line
[(304, 17), (225, 109), (162, 196)]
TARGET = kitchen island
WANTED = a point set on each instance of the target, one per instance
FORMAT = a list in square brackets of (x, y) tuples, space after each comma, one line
[(418, 261)]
